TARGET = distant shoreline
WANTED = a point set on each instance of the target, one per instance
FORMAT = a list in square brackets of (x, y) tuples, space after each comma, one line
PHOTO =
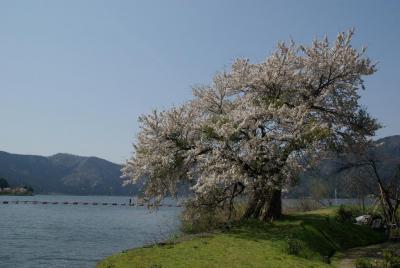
[(16, 191), (12, 194)]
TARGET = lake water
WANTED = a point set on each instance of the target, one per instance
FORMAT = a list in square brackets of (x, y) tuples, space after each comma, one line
[(58, 235)]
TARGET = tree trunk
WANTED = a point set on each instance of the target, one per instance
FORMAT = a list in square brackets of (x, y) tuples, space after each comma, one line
[(274, 206), (265, 206), (251, 207), (255, 206)]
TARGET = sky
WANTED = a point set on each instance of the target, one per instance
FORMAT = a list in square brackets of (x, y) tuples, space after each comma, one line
[(76, 74)]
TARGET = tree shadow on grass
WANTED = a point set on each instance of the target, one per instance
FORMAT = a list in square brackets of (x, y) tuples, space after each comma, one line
[(319, 233)]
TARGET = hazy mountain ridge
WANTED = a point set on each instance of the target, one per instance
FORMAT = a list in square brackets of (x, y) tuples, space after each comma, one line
[(64, 173), (72, 174)]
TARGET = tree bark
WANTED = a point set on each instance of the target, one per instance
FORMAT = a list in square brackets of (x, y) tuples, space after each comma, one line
[(251, 207), (265, 206), (255, 206), (274, 206)]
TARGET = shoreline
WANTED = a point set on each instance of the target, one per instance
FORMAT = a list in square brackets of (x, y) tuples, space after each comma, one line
[(298, 240)]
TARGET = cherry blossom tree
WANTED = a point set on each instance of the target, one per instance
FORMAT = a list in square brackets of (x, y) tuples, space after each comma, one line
[(249, 133)]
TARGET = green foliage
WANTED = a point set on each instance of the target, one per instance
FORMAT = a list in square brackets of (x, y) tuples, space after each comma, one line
[(344, 214), (394, 234), (252, 243), (205, 219), (348, 213), (3, 183), (390, 260), (364, 263), (196, 220)]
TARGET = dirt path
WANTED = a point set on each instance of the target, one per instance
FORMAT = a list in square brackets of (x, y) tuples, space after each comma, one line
[(374, 251)]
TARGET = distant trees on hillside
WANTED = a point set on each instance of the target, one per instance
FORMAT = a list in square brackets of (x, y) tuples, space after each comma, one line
[(3, 183)]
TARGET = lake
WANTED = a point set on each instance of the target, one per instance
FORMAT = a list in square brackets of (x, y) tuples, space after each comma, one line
[(59, 235)]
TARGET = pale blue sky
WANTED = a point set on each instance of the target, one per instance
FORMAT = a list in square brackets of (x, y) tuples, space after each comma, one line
[(76, 74)]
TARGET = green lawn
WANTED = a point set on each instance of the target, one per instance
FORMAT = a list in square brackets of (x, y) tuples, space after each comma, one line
[(255, 244)]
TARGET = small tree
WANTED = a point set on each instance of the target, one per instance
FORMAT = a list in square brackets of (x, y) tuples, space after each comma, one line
[(254, 128), (3, 183), (364, 159)]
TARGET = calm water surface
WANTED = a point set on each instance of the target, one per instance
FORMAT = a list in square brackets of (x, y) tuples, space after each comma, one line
[(38, 236)]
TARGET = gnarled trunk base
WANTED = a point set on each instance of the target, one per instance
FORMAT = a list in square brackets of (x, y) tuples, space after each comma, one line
[(265, 206), (274, 207)]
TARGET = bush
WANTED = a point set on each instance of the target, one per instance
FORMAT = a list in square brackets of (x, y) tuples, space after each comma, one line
[(364, 263), (347, 214), (390, 259), (197, 219), (343, 214)]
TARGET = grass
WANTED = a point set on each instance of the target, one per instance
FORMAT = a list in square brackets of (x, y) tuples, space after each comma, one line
[(255, 244)]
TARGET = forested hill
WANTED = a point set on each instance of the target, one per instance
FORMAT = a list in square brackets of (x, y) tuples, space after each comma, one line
[(389, 149), (71, 174), (64, 173)]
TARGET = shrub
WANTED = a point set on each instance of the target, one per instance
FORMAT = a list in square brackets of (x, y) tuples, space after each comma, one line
[(345, 214), (197, 219), (364, 263), (390, 259)]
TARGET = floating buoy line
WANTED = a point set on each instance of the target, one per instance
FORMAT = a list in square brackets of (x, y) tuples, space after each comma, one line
[(82, 203)]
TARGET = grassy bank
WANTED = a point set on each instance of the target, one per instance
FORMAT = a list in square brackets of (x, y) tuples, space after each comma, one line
[(299, 240)]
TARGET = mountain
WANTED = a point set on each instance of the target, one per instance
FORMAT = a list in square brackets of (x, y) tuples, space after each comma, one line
[(65, 174), (389, 149), (71, 174)]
